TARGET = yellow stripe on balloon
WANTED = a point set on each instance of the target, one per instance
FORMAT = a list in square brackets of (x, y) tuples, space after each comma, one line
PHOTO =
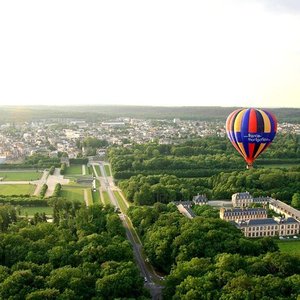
[(238, 121), (241, 146), (267, 123), (261, 146)]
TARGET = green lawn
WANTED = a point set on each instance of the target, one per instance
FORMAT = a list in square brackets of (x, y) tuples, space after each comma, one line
[(98, 184), (96, 197), (291, 247), (20, 176), (74, 170), (89, 196), (17, 189), (36, 209), (121, 202), (72, 193), (98, 170), (106, 198), (90, 170), (107, 170)]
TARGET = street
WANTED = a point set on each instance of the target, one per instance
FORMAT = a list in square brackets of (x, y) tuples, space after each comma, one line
[(150, 278)]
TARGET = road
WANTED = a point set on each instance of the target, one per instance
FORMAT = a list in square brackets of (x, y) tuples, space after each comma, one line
[(107, 183)]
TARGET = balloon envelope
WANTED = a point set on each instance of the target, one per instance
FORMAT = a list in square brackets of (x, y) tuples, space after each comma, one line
[(251, 131)]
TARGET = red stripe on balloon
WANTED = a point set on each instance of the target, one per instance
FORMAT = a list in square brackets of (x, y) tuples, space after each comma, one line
[(252, 128)]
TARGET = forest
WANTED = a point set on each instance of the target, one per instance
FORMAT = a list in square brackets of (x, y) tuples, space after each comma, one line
[(152, 172), (208, 258), (107, 112), (83, 254)]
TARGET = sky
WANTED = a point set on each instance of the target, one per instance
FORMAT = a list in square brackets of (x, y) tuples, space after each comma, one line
[(243, 53)]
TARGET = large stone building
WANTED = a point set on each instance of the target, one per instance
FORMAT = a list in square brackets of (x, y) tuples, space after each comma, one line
[(241, 199), (254, 222), (269, 227), (284, 209), (239, 214), (245, 199), (200, 200)]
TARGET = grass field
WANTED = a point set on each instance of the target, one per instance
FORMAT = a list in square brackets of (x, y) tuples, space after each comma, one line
[(36, 209), (89, 196), (98, 170), (291, 247), (96, 197), (98, 184), (20, 176), (72, 193), (121, 202), (107, 170), (74, 170), (17, 189), (90, 170), (106, 198)]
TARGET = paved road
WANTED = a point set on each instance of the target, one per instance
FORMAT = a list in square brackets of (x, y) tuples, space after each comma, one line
[(39, 183), (107, 183), (52, 180)]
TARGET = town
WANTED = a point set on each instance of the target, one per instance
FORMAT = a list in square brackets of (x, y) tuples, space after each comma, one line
[(49, 137)]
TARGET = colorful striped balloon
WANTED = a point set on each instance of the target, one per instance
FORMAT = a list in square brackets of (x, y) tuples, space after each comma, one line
[(251, 131)]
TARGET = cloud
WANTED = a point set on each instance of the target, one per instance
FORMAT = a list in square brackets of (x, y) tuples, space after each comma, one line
[(282, 6)]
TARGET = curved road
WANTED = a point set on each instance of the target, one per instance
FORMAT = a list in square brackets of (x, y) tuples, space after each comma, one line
[(107, 183)]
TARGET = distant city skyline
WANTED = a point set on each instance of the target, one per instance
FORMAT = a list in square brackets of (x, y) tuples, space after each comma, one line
[(159, 53)]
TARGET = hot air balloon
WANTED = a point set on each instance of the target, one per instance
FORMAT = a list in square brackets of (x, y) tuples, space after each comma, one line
[(251, 131)]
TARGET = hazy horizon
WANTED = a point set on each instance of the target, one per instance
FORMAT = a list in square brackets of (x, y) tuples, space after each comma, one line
[(137, 105), (159, 53)]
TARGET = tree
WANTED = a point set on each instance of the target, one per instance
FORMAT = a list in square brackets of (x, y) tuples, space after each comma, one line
[(46, 294), (296, 200), (122, 281)]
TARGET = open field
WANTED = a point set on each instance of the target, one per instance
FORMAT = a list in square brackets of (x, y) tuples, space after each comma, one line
[(121, 202), (74, 170), (291, 247), (17, 189), (106, 198), (72, 193), (20, 176), (107, 170), (36, 209)]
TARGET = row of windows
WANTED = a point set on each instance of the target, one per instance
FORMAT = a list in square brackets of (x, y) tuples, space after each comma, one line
[(268, 233), (262, 228), (253, 234), (245, 214), (271, 227)]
